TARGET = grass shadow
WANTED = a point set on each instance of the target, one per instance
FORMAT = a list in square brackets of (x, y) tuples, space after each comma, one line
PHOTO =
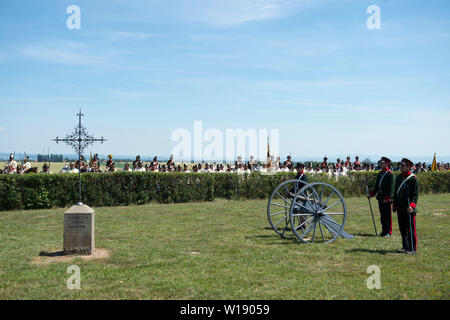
[(284, 242), (383, 252), (260, 237), (368, 235), (281, 240)]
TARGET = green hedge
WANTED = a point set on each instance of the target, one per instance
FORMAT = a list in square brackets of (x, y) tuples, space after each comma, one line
[(37, 191)]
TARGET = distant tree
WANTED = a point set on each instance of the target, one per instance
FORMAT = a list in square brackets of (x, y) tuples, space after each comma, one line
[(50, 158)]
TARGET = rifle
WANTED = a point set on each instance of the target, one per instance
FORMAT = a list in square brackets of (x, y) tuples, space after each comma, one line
[(410, 222), (371, 211)]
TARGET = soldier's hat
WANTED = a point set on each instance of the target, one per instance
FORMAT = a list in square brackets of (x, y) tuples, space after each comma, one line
[(300, 165), (385, 159), (11, 156), (407, 162)]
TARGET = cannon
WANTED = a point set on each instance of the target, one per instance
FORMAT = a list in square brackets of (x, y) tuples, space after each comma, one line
[(314, 212)]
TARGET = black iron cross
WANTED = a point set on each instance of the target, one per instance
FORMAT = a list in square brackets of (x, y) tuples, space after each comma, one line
[(79, 140)]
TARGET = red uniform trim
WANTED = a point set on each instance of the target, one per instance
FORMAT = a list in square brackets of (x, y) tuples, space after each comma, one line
[(405, 174), (415, 233), (413, 205), (387, 198)]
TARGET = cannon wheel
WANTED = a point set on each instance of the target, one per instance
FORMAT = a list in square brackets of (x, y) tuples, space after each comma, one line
[(318, 213), (279, 205)]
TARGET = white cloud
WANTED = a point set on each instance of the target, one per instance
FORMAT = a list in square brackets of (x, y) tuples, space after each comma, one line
[(231, 12), (65, 53), (8, 100), (134, 35), (132, 94), (214, 12), (2, 129), (289, 85)]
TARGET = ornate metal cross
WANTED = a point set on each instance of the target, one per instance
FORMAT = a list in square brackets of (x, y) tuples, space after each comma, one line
[(79, 140)]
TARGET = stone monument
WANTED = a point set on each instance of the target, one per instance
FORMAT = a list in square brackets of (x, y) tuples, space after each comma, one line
[(79, 220), (79, 230)]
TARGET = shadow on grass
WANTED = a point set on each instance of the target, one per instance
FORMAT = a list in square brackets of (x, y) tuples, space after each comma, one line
[(284, 242), (51, 254), (260, 237), (368, 235), (372, 251), (281, 240)]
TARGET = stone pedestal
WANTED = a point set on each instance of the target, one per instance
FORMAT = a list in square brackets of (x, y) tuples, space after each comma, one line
[(79, 230)]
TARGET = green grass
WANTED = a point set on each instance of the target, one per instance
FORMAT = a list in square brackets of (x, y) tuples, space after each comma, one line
[(239, 257)]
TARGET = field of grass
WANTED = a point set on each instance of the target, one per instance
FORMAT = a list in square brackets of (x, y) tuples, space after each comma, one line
[(223, 250)]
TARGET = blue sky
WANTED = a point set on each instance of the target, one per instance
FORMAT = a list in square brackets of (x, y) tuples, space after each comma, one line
[(310, 68)]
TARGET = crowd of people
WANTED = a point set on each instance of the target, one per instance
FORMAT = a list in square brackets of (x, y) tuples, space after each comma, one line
[(337, 168)]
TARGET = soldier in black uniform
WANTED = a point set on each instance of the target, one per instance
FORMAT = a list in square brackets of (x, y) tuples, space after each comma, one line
[(324, 164), (110, 163), (300, 176), (384, 190), (300, 172), (170, 162), (405, 203), (137, 162)]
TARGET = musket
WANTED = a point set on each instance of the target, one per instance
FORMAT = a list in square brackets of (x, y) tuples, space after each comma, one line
[(371, 211), (410, 222)]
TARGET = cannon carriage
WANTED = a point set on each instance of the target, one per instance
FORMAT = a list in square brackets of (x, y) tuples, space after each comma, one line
[(309, 212)]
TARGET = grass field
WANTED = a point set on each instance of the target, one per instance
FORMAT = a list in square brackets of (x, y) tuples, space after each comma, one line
[(223, 250)]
